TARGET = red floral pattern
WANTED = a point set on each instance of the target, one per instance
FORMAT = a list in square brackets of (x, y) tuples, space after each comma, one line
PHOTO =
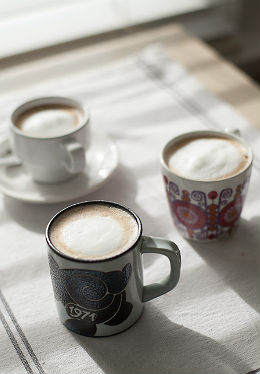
[(190, 215), (230, 213), (203, 216)]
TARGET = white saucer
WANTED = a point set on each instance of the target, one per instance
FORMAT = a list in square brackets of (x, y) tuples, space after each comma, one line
[(102, 160)]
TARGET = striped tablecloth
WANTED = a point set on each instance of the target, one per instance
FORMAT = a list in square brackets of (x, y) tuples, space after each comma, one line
[(209, 323)]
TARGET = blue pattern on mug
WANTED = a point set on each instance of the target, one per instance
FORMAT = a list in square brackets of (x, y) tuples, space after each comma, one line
[(91, 297)]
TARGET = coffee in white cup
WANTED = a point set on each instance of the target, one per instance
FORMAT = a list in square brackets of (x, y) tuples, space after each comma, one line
[(207, 157), (49, 120), (50, 137), (94, 231)]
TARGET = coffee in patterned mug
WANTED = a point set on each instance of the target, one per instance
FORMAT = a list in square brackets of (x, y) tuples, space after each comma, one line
[(206, 176)]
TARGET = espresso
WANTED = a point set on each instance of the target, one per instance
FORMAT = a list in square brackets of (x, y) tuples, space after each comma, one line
[(94, 231), (47, 121), (207, 158)]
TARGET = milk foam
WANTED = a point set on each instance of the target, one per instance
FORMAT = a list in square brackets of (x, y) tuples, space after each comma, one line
[(208, 158), (94, 232), (93, 236), (49, 122)]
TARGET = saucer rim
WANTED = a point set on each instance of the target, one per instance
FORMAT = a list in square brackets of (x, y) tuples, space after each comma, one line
[(113, 149)]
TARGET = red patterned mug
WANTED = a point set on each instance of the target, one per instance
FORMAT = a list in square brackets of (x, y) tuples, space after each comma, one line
[(206, 206)]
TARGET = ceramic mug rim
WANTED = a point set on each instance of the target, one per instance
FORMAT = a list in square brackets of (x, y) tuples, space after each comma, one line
[(192, 134), (45, 100), (87, 202)]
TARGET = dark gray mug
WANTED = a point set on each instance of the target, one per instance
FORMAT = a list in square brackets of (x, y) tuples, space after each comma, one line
[(105, 297)]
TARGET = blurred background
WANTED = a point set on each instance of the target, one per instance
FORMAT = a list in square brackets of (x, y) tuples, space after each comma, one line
[(50, 26)]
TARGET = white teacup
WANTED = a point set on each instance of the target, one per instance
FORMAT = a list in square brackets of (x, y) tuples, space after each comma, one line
[(50, 136)]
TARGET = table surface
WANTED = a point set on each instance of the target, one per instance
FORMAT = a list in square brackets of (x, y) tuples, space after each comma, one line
[(218, 75), (227, 83)]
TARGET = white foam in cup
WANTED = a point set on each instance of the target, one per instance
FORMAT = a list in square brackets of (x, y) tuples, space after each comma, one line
[(94, 231), (207, 157), (50, 120)]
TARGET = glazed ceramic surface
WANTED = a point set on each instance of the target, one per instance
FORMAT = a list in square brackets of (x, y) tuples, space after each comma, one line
[(101, 162), (54, 159), (101, 298), (205, 210)]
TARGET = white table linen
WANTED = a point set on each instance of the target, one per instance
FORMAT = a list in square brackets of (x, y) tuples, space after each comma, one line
[(209, 323)]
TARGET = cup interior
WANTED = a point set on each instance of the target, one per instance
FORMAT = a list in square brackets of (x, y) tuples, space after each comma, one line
[(204, 133), (45, 102), (70, 208)]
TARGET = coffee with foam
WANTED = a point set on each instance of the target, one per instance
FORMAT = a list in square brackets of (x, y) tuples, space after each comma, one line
[(207, 158), (47, 121), (94, 231)]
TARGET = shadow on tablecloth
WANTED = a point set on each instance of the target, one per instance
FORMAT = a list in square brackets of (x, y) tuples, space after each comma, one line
[(157, 345), (236, 260)]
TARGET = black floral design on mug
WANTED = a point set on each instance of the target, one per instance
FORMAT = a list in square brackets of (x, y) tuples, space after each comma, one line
[(91, 297)]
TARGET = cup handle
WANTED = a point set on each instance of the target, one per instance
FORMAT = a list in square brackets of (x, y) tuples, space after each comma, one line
[(6, 154), (169, 249), (76, 156)]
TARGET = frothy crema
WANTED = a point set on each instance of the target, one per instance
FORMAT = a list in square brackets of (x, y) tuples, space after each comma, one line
[(94, 231), (207, 158), (47, 121)]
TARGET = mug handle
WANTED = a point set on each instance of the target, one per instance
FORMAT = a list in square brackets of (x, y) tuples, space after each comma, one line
[(169, 249), (76, 156)]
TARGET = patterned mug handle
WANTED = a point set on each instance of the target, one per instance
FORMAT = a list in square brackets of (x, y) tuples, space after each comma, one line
[(169, 249)]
